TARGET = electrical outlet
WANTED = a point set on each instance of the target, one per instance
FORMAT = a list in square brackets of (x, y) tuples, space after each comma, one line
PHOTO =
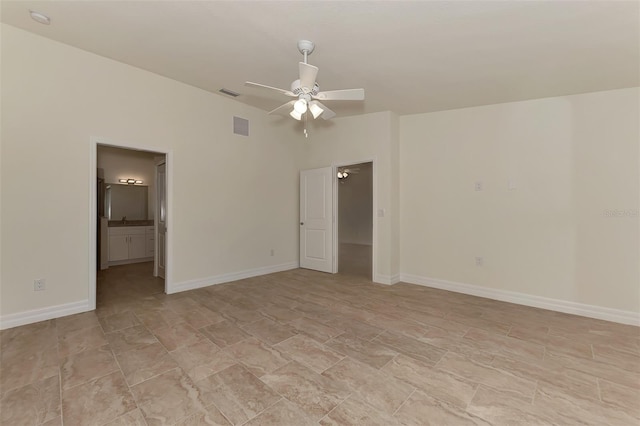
[(39, 285), (479, 261), (478, 186), (273, 252)]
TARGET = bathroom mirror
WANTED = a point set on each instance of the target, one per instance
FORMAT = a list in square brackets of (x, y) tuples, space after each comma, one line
[(128, 201)]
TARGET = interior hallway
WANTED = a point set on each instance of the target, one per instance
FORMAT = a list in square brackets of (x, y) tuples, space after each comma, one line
[(307, 348)]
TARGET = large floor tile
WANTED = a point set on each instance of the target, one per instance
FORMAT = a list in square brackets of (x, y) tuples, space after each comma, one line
[(258, 357), (282, 413), (86, 366), (310, 352), (315, 394), (374, 354), (355, 412), (224, 333), (32, 404), (238, 394), (202, 359), (169, 397), (376, 388), (441, 384), (142, 363), (98, 401), (423, 409)]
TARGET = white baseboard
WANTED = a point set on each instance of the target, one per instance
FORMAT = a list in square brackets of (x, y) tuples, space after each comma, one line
[(386, 279), (232, 276), (36, 315), (591, 311)]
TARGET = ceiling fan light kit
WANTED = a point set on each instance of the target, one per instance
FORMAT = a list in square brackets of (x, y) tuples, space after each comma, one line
[(307, 90)]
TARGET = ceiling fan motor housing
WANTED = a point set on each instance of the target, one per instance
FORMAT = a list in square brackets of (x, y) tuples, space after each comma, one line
[(299, 90)]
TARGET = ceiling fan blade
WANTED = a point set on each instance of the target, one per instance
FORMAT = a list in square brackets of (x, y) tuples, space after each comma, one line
[(341, 95), (308, 74), (327, 114), (262, 86), (283, 109)]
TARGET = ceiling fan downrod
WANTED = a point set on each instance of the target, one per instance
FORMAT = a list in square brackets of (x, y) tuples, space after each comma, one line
[(306, 47)]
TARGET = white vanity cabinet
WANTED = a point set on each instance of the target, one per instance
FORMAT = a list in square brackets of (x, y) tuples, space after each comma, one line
[(128, 244)]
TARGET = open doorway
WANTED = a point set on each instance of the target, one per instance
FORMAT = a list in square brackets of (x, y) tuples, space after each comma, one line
[(130, 193), (355, 219)]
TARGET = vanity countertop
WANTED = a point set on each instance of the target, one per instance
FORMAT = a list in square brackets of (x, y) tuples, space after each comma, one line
[(119, 223)]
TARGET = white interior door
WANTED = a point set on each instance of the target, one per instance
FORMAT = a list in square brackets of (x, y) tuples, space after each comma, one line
[(161, 215), (316, 219)]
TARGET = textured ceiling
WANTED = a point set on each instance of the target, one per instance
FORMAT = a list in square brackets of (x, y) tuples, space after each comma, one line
[(410, 57)]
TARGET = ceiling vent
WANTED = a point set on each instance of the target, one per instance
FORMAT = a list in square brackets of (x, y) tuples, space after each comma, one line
[(229, 92), (240, 126)]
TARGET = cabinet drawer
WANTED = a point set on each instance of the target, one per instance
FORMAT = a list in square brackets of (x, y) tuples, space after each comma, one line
[(127, 230)]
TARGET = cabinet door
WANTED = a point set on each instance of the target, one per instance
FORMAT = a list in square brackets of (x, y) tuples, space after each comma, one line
[(151, 245), (118, 247), (137, 246)]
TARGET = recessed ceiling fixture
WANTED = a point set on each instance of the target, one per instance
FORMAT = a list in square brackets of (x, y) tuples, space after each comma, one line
[(39, 17), (307, 90)]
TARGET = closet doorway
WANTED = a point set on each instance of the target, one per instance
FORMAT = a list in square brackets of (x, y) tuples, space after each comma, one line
[(355, 219)]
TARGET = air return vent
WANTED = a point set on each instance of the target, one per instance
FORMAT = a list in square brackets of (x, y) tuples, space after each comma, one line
[(229, 92), (241, 126)]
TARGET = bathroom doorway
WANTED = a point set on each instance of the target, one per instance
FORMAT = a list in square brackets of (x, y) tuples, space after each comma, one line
[(126, 224)]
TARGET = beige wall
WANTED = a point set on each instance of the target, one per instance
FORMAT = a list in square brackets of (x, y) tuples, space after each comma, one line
[(572, 160), (350, 140), (234, 197)]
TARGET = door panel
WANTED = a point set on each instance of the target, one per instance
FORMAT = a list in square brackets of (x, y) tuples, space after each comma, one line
[(161, 214), (316, 219)]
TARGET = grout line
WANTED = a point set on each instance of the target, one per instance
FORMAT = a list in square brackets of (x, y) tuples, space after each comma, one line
[(60, 387), (599, 389), (475, 391), (535, 392), (404, 402), (389, 362)]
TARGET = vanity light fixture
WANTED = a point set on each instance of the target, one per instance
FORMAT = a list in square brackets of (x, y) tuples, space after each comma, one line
[(130, 181)]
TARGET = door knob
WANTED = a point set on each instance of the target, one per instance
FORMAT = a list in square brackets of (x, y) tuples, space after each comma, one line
[(301, 223)]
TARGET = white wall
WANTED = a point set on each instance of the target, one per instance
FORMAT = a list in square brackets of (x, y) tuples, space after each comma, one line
[(350, 140), (119, 163), (234, 197), (572, 160)]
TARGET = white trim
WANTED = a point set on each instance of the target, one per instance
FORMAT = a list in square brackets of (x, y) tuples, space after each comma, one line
[(591, 311), (231, 276), (387, 279), (50, 312)]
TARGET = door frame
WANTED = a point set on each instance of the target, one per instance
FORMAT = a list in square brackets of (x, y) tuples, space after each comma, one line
[(374, 209), (93, 207), (156, 209)]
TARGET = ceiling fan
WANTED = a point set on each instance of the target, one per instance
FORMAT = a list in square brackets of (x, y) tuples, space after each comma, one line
[(307, 91), (344, 172)]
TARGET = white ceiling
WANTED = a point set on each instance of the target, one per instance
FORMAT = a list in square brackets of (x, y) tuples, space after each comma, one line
[(410, 57)]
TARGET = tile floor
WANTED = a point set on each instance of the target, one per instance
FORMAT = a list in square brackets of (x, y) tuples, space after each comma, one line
[(306, 348)]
